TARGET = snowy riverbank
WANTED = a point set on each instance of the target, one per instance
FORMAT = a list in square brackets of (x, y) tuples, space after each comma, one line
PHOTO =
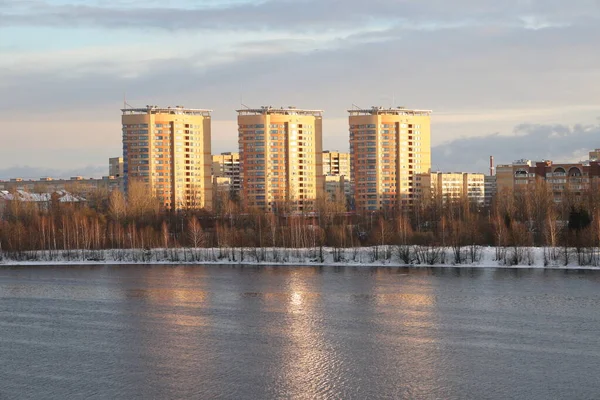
[(381, 256)]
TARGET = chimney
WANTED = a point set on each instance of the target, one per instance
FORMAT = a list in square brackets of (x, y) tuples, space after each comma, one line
[(492, 169)]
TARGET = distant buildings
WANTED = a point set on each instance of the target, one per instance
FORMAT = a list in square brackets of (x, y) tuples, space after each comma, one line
[(77, 185), (388, 147), (41, 200), (336, 163), (115, 167), (281, 164), (169, 150), (337, 188), (451, 187), (573, 178), (281, 158), (226, 167), (491, 189), (336, 168)]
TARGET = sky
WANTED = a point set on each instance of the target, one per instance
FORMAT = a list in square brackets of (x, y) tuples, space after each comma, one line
[(513, 78)]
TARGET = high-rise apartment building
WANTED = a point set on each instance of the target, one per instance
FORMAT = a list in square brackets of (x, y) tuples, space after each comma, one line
[(388, 147), (336, 164), (169, 149), (281, 158)]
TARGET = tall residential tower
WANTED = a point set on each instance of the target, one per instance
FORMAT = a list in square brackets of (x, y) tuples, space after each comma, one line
[(388, 147), (169, 149), (281, 158)]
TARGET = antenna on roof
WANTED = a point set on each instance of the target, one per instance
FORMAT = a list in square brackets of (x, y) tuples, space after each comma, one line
[(125, 104), (355, 106)]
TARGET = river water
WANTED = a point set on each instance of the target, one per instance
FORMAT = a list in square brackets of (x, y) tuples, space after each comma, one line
[(232, 332)]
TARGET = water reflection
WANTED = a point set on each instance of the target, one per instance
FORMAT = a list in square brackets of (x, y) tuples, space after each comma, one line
[(308, 365), (279, 332), (406, 322), (174, 328)]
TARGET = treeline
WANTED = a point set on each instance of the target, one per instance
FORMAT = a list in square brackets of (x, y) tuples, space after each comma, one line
[(568, 226)]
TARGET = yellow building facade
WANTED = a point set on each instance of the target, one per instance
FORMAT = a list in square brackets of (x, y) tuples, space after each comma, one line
[(226, 167), (169, 149), (450, 187), (281, 158), (336, 163), (388, 147)]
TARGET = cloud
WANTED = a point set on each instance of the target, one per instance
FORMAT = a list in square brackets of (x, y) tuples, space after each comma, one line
[(483, 66), (293, 14), (559, 143), (440, 70)]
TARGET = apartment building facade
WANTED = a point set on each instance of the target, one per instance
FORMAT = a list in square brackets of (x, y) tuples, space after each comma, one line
[(115, 167), (491, 188), (226, 167), (451, 187), (336, 163), (281, 158), (388, 147), (573, 178), (336, 168), (169, 149)]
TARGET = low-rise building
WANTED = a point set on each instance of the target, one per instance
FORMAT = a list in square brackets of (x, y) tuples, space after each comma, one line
[(336, 163), (41, 200), (226, 172), (451, 186), (337, 188), (115, 167), (76, 184), (490, 189), (336, 168), (575, 178)]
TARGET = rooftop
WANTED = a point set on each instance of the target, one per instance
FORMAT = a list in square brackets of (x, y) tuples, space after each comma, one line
[(177, 110), (21, 195), (389, 111), (267, 110)]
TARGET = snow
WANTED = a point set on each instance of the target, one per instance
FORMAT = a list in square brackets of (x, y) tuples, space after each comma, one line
[(382, 256), (21, 195)]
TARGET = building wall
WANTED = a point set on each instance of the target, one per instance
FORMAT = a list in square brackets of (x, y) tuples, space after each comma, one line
[(170, 151), (474, 187), (337, 188), (336, 164), (575, 178), (281, 158), (388, 148), (505, 175), (490, 189), (450, 186), (115, 167), (227, 165)]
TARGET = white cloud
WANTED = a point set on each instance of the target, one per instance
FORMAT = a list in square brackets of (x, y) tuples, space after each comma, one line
[(483, 66)]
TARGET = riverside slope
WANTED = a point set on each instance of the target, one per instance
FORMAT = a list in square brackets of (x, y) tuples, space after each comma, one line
[(380, 256)]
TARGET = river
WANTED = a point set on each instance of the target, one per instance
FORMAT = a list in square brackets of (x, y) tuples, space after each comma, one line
[(233, 332)]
